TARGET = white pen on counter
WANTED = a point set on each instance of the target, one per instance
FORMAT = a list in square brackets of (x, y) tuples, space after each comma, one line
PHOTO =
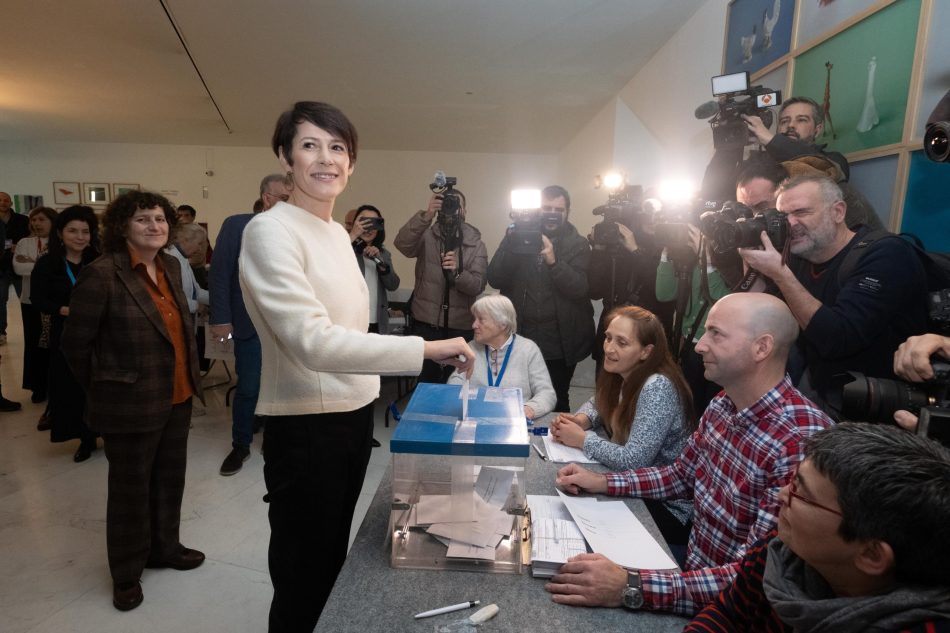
[(538, 451), (449, 609)]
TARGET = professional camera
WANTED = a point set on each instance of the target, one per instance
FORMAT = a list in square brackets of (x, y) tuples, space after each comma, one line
[(671, 225), (738, 98), (450, 215), (625, 206), (527, 228), (936, 141), (737, 226), (876, 399)]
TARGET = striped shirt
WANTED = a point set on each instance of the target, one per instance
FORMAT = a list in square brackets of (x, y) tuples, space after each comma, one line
[(732, 468)]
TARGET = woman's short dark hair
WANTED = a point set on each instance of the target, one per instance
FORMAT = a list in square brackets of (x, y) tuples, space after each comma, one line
[(381, 233), (120, 212), (50, 213), (69, 214), (324, 116)]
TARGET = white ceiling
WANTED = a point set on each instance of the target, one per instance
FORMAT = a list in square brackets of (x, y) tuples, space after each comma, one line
[(439, 75)]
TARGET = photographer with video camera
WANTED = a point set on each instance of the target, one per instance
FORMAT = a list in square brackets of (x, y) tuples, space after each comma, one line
[(853, 312), (451, 260), (914, 361), (545, 276), (624, 256)]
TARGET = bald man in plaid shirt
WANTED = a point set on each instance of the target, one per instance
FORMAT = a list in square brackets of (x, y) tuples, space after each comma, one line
[(749, 442)]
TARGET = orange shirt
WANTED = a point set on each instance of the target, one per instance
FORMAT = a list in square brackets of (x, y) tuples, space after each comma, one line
[(164, 300)]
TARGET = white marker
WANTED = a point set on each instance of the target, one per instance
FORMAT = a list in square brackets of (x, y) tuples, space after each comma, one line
[(454, 607)]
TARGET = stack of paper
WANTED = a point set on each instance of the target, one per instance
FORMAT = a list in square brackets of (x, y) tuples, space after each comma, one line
[(560, 453), (554, 535), (471, 524)]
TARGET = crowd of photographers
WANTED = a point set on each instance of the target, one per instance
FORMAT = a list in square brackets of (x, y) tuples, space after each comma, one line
[(841, 317)]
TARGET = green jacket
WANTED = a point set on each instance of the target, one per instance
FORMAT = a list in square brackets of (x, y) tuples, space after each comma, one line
[(667, 287)]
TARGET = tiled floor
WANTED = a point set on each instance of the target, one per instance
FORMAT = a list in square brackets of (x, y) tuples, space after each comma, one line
[(53, 571)]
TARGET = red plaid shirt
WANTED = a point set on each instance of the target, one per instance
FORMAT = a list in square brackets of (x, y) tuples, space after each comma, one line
[(732, 467)]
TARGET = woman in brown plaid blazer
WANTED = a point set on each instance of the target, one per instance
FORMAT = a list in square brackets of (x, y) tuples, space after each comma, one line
[(128, 343)]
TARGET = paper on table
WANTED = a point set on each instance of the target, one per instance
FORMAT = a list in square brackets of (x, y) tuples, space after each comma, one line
[(548, 507), (494, 485), (557, 452), (613, 530), (553, 541)]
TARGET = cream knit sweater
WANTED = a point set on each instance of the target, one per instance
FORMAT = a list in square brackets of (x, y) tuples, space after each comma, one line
[(308, 300)]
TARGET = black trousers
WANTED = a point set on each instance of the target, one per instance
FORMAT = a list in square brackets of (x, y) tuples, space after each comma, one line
[(561, 375), (35, 358), (146, 484), (314, 467), (431, 370)]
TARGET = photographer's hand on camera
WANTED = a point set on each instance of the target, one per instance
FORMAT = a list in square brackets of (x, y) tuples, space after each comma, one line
[(766, 260), (628, 239), (448, 262), (912, 359), (435, 205), (547, 250), (757, 128)]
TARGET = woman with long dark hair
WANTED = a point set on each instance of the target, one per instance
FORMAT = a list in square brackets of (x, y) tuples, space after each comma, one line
[(73, 245), (643, 405)]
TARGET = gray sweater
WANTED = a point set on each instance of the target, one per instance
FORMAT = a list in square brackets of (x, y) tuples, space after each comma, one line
[(657, 435)]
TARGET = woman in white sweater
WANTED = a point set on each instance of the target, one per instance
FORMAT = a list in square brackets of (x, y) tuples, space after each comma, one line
[(320, 370), (504, 359)]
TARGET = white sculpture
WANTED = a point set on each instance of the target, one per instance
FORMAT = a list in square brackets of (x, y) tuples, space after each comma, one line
[(869, 116)]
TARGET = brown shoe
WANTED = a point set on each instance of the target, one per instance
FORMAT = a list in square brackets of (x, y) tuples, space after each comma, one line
[(184, 560), (126, 595)]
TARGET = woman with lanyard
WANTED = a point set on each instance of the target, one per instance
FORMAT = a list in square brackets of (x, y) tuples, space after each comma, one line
[(504, 359), (72, 245)]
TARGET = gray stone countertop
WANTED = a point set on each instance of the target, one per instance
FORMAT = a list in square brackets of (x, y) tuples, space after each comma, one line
[(369, 595)]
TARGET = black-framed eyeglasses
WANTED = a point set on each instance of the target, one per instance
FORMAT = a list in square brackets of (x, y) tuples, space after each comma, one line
[(793, 492)]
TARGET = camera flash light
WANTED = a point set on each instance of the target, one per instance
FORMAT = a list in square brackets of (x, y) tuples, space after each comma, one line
[(614, 180), (676, 191), (525, 199)]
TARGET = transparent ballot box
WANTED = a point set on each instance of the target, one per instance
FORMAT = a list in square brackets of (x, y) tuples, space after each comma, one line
[(459, 484)]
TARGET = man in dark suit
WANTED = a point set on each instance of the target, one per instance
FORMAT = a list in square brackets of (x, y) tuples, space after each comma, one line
[(128, 342), (17, 226), (229, 320)]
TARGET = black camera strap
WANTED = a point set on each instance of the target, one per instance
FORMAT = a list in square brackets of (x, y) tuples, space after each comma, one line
[(706, 297)]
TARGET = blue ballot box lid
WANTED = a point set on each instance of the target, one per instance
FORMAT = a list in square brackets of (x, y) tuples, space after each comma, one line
[(431, 423)]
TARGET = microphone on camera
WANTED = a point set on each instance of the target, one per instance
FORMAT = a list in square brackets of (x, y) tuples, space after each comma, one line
[(707, 110), (439, 179)]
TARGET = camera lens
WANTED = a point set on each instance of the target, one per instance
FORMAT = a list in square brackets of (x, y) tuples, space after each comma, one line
[(876, 399), (936, 144)]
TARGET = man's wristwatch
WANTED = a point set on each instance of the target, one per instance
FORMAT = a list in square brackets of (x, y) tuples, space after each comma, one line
[(633, 592)]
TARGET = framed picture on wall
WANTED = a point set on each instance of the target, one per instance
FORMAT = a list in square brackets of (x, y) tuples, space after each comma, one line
[(119, 189), (876, 178), (758, 32), (96, 193), (926, 205), (936, 75), (861, 76), (820, 17), (67, 193)]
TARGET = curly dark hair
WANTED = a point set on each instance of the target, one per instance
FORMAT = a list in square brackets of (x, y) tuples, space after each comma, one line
[(69, 214), (115, 223)]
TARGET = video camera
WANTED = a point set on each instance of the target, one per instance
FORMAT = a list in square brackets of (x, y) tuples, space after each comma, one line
[(450, 215), (936, 141), (625, 206), (738, 98), (671, 226), (876, 399), (527, 228), (738, 226)]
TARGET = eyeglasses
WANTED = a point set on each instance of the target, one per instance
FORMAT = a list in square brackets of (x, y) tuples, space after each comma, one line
[(793, 492)]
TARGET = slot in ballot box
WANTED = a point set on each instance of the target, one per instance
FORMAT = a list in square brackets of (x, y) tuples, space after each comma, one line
[(458, 484)]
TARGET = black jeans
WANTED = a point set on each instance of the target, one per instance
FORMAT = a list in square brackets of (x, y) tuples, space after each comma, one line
[(313, 469), (561, 375)]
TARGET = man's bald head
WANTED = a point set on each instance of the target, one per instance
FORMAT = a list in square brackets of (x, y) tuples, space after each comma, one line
[(758, 314)]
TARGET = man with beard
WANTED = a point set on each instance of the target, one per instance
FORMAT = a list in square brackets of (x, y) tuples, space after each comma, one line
[(852, 318), (550, 291)]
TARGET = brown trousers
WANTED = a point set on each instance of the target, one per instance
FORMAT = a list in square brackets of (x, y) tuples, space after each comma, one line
[(146, 484)]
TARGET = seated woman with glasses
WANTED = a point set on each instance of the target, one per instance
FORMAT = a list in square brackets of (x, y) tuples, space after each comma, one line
[(504, 359)]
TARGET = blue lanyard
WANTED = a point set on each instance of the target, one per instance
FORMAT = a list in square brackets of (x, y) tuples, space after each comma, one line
[(69, 272), (504, 364)]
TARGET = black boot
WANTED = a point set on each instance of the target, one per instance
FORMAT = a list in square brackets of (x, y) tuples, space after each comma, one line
[(8, 405)]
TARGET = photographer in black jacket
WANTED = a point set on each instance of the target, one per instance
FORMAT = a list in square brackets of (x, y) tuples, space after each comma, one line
[(549, 291)]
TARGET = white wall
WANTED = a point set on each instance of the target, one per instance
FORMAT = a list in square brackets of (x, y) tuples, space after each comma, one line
[(396, 182)]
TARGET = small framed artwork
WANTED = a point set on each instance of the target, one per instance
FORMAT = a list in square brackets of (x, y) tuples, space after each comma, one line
[(758, 32), (96, 193), (67, 193), (119, 189), (822, 17)]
